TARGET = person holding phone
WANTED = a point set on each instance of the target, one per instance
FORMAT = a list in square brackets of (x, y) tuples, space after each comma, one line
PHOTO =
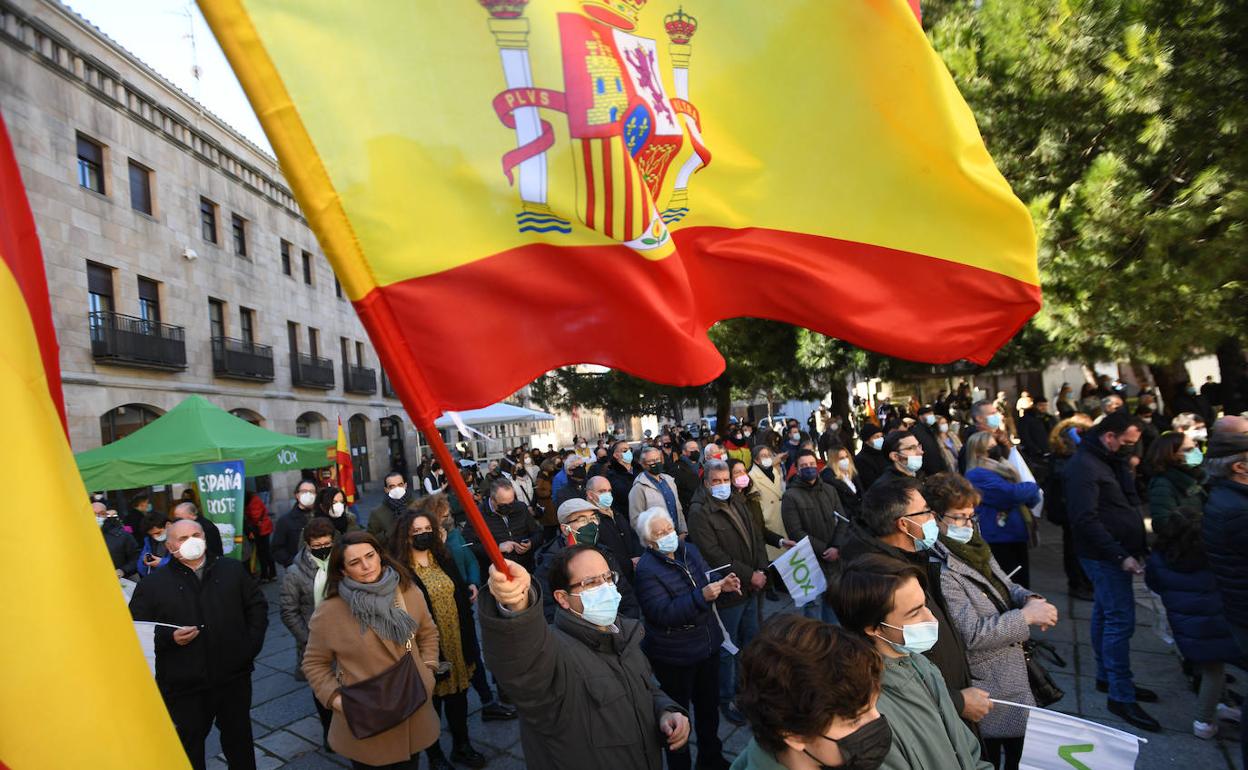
[(512, 525), (683, 637)]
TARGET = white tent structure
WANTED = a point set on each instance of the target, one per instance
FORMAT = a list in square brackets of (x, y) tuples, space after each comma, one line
[(489, 432)]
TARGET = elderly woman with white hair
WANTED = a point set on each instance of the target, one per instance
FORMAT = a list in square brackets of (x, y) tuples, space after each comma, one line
[(682, 633)]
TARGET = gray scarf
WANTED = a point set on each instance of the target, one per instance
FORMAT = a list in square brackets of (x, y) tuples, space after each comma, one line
[(373, 604)]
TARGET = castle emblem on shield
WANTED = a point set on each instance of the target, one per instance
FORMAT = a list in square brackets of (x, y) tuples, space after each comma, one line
[(626, 127)]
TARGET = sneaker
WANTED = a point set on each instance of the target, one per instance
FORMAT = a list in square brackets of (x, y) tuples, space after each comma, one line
[(1229, 713), (1204, 730), (467, 755)]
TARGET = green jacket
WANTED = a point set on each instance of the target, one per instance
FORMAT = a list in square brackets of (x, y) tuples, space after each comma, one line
[(753, 757), (1172, 489), (914, 698)]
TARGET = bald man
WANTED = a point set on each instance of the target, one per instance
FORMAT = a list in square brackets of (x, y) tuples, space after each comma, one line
[(204, 661)]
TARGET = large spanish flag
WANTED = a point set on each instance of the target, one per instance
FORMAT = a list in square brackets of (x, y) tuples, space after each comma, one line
[(506, 186), (70, 664)]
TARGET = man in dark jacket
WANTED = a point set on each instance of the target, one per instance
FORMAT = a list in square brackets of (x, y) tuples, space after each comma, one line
[(614, 532), (721, 526), (122, 549), (203, 668), (512, 525), (811, 508), (289, 528), (1033, 433), (905, 457), (140, 506), (897, 522), (1225, 530), (581, 524), (870, 460), (620, 474), (686, 474), (1108, 528), (396, 502), (924, 430), (585, 691)]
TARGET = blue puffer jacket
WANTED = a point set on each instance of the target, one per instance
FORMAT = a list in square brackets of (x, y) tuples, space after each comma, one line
[(1225, 532), (1194, 608), (1002, 495), (680, 627)]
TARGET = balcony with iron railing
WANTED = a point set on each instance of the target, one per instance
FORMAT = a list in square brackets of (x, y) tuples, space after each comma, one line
[(242, 360), (129, 341), (359, 379), (308, 371)]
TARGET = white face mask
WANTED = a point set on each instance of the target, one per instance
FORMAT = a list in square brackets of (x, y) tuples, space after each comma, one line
[(765, 461), (397, 493), (877, 443), (306, 499), (160, 538), (192, 548), (843, 464), (99, 520), (337, 509), (1198, 434), (929, 419), (944, 427)]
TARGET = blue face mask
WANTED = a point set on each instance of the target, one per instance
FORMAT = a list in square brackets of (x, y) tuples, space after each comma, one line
[(917, 638), (808, 474), (721, 491), (994, 421), (1073, 433), (930, 532), (1193, 457), (600, 605), (959, 534), (627, 457), (914, 463), (668, 543), (605, 499)]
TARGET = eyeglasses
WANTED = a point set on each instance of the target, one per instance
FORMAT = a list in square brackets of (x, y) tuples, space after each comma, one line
[(589, 583), (576, 524), (961, 520), (924, 512)]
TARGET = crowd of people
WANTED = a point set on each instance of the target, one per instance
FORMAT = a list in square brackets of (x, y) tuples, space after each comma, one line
[(630, 616)]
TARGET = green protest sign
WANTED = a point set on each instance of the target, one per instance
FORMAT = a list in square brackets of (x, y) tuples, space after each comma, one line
[(221, 493)]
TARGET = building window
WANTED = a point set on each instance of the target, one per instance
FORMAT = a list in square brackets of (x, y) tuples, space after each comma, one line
[(149, 300), (208, 220), (140, 188), (216, 317), (307, 268), (337, 287), (238, 226), (285, 257), (344, 347), (100, 288), (314, 342), (292, 337), (359, 353), (90, 164), (247, 325)]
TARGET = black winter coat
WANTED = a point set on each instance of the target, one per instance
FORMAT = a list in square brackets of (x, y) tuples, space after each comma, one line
[(516, 523), (851, 499), (463, 606), (870, 464), (121, 547), (546, 557), (621, 479), (933, 458), (810, 510), (288, 534), (1102, 504), (726, 533), (1225, 533), (228, 608), (687, 481), (949, 652)]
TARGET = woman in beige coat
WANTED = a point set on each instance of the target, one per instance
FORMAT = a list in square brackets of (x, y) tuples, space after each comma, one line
[(769, 483), (371, 610)]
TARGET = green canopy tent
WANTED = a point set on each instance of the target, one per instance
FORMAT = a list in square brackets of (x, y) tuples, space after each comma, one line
[(195, 431)]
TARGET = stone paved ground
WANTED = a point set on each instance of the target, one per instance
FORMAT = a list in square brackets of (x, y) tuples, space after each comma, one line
[(287, 731)]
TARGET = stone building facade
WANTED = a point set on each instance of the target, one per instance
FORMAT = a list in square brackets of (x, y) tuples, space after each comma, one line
[(177, 259)]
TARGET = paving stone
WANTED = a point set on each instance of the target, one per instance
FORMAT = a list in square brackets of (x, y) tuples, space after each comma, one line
[(284, 709), (273, 685), (308, 728), (286, 745), (316, 761)]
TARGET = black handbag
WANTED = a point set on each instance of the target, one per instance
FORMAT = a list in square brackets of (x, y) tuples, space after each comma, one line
[(1043, 688), (374, 705)]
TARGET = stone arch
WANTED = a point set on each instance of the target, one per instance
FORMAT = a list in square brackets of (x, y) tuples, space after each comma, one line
[(312, 425), (121, 421), (251, 416)]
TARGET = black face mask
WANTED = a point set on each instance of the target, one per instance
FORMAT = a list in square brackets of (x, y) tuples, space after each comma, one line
[(422, 541), (693, 456), (864, 748), (577, 473), (321, 553), (655, 468)]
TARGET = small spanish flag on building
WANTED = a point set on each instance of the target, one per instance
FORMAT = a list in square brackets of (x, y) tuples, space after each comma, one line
[(343, 466)]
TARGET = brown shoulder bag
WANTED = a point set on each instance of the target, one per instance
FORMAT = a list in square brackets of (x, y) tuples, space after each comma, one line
[(374, 705)]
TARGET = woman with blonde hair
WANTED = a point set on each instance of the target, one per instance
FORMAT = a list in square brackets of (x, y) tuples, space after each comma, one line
[(1006, 522), (948, 441), (842, 475)]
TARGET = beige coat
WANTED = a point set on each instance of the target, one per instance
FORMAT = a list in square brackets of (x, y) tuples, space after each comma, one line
[(769, 495), (334, 637), (645, 495)]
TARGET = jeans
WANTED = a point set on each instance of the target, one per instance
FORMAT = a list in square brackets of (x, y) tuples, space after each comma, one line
[(1113, 622), (696, 685), (819, 609), (741, 623)]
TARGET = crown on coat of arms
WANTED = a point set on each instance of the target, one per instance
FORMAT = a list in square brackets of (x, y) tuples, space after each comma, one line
[(621, 14), (504, 9), (680, 26)]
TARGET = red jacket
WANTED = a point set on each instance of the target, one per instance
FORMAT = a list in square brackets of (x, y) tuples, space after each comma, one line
[(257, 516)]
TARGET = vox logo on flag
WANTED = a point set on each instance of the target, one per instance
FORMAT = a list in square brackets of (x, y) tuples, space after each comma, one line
[(625, 128), (801, 573)]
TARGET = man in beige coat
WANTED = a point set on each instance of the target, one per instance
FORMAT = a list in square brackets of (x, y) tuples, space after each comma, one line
[(652, 488)]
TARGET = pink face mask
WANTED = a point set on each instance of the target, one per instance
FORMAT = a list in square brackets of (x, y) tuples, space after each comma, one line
[(741, 482)]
